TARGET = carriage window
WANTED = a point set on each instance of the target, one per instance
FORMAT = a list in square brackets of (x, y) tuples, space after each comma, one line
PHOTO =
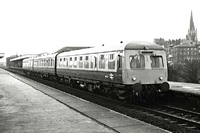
[(156, 62), (70, 62), (111, 56), (60, 63), (86, 58), (111, 62), (137, 61), (86, 63), (51, 62), (48, 62), (102, 62), (75, 62), (80, 62), (66, 62), (63, 62)]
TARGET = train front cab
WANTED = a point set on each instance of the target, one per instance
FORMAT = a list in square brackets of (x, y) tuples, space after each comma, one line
[(145, 71)]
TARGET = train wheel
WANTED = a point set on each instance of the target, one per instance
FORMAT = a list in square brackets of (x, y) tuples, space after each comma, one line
[(122, 94), (127, 96), (91, 87), (72, 83), (105, 90)]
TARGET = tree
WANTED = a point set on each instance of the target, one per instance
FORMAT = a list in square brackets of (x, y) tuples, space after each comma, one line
[(191, 71), (175, 72)]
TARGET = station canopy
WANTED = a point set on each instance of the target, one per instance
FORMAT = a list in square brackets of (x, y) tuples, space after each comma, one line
[(22, 57)]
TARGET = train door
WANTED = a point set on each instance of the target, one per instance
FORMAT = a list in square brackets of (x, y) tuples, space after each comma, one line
[(94, 62), (134, 65)]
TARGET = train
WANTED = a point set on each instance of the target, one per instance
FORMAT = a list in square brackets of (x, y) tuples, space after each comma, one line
[(128, 70)]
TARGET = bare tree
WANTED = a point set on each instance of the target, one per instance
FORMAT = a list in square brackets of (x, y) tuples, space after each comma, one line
[(191, 71)]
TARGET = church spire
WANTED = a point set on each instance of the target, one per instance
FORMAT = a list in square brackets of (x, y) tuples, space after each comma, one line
[(192, 28), (192, 33)]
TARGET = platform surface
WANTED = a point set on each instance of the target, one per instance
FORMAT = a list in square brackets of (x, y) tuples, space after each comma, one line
[(185, 87), (28, 106)]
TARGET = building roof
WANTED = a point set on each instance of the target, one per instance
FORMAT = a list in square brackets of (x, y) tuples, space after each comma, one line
[(22, 57), (185, 44)]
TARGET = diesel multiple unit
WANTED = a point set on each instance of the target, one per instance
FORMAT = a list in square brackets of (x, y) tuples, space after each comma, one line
[(127, 70)]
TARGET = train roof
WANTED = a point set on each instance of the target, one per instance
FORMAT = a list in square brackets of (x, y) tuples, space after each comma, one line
[(70, 48), (143, 46), (46, 56), (129, 46)]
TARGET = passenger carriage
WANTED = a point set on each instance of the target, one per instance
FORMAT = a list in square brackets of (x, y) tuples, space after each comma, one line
[(43, 65)]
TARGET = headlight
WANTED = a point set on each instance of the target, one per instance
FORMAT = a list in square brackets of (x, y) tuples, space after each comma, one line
[(134, 78), (161, 78)]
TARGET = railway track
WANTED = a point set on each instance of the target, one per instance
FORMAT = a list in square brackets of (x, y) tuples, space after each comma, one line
[(174, 118), (181, 117)]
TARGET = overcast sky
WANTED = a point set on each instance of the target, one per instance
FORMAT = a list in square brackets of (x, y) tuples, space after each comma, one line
[(36, 26)]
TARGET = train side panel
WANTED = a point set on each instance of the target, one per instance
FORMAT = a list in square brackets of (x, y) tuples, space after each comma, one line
[(103, 68), (91, 76)]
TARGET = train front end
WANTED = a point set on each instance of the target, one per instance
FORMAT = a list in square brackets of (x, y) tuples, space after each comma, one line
[(145, 68)]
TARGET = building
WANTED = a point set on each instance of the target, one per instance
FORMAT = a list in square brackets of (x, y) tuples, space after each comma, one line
[(189, 48), (1, 55), (8, 62), (18, 61), (185, 51)]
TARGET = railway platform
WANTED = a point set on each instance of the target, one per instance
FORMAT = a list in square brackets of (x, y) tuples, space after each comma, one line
[(28, 106), (189, 88)]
